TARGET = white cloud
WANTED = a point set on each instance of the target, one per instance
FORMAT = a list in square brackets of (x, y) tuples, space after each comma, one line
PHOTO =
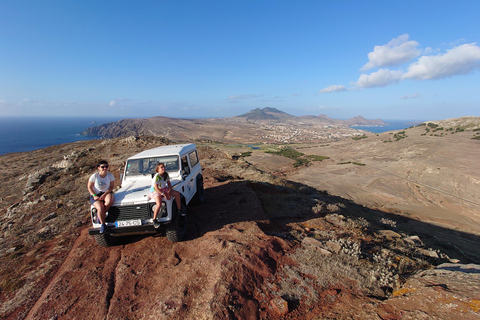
[(396, 52), (333, 88), (381, 78), (411, 96), (459, 60), (115, 102)]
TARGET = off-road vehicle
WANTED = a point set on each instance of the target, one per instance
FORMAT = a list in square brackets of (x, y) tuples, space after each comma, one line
[(132, 209)]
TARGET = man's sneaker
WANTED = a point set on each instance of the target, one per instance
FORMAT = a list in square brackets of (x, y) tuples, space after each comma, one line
[(156, 223), (102, 228)]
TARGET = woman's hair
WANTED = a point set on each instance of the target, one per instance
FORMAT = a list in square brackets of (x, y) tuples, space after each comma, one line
[(101, 162), (165, 174)]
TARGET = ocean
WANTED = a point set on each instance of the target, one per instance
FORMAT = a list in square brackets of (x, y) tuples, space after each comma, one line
[(19, 134), (391, 126)]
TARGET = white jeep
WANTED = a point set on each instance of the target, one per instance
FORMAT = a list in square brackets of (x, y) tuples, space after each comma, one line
[(132, 209)]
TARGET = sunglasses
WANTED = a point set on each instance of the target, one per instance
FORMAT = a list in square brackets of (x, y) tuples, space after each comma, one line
[(103, 167)]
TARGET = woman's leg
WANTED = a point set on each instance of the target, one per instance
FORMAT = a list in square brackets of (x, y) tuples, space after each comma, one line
[(158, 201), (108, 201), (177, 199), (100, 211)]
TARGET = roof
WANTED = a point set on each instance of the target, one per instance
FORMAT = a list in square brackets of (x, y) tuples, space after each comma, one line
[(165, 150)]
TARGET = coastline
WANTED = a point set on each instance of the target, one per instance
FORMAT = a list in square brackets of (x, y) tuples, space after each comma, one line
[(22, 134)]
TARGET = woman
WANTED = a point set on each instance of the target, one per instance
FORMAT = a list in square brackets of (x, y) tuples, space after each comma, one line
[(100, 185), (161, 187)]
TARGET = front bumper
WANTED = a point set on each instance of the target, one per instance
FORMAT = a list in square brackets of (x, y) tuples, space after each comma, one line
[(123, 231)]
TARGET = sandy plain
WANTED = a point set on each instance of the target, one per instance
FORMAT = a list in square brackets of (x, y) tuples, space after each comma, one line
[(428, 178)]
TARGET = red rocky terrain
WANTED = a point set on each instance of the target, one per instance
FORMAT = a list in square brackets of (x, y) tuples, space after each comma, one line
[(259, 248)]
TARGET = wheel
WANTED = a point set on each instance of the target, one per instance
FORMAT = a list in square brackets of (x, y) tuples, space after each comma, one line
[(177, 229), (199, 196), (104, 240)]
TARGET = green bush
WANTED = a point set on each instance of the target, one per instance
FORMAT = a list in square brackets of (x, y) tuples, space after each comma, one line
[(359, 137), (358, 163), (314, 157), (288, 153)]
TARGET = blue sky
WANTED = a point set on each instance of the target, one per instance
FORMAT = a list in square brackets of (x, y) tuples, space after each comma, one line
[(379, 59)]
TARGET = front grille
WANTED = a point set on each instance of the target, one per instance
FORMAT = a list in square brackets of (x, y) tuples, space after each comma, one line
[(140, 211)]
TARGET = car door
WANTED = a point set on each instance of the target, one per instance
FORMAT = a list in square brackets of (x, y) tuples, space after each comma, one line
[(188, 188)]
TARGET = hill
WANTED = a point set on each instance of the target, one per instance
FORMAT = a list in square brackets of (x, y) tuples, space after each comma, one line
[(265, 114), (361, 121), (266, 244)]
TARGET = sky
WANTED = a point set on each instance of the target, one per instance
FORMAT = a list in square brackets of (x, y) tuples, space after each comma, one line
[(416, 60)]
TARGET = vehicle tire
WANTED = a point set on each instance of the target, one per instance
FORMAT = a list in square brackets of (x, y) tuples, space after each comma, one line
[(177, 229), (199, 196), (104, 240)]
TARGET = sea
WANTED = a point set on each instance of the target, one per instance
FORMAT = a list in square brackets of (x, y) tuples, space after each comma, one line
[(19, 134), (391, 125)]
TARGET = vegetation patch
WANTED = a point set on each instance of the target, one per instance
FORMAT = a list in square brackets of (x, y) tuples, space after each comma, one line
[(314, 157), (353, 162), (300, 158), (399, 135), (360, 137), (358, 163)]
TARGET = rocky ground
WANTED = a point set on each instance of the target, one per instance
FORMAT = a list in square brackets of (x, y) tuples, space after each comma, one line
[(260, 247)]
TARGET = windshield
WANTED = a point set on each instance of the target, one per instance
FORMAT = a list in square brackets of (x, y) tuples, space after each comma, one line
[(146, 166)]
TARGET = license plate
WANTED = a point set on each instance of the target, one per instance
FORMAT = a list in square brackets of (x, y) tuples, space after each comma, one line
[(128, 223)]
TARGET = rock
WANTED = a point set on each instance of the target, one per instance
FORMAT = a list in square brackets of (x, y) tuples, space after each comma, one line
[(11, 250), (428, 253), (279, 306), (333, 246), (466, 268), (43, 231), (307, 241), (389, 312), (450, 291), (389, 234), (414, 241), (317, 245)]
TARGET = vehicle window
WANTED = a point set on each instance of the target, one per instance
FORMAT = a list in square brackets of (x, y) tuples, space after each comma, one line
[(193, 158), (185, 167), (147, 165)]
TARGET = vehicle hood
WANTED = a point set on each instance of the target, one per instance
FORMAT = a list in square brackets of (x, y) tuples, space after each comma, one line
[(134, 192)]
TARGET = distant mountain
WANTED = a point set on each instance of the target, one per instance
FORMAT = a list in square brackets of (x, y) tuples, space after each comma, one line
[(361, 121), (265, 114), (322, 120)]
